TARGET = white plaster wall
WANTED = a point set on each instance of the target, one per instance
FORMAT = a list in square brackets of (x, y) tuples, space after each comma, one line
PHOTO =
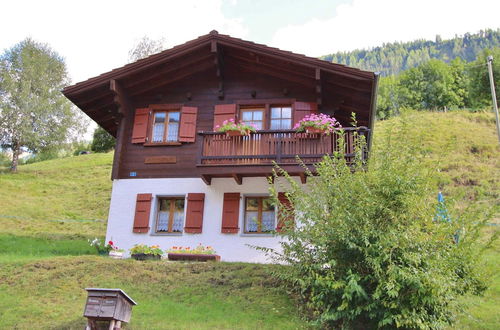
[(231, 247)]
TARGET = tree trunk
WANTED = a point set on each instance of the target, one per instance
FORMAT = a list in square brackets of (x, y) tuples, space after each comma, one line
[(15, 157)]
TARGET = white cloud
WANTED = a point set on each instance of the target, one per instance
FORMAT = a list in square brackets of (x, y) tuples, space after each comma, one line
[(369, 23), (95, 35)]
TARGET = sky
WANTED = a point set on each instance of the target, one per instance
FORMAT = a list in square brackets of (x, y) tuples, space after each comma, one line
[(95, 36)]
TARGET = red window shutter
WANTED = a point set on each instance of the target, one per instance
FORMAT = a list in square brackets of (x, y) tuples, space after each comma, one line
[(140, 130), (285, 217), (194, 213), (231, 213), (187, 129), (142, 211), (224, 112), (302, 109)]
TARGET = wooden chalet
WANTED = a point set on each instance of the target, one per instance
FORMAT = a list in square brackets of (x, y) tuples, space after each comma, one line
[(163, 111)]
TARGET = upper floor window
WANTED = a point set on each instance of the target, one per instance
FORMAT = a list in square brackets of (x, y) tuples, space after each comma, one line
[(253, 116), (170, 217), (281, 117), (259, 215), (165, 126)]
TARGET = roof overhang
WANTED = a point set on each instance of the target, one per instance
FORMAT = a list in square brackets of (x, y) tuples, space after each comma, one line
[(97, 96)]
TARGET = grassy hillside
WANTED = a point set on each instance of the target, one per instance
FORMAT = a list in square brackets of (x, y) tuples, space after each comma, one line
[(48, 210)]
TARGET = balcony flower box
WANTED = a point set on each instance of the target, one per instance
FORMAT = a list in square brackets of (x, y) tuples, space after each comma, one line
[(237, 133), (317, 124), (193, 257), (233, 129), (315, 130)]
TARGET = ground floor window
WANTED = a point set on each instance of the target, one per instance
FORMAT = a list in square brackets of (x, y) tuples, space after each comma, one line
[(170, 217), (259, 215)]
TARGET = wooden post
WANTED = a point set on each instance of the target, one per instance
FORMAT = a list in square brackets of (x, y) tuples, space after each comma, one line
[(493, 93)]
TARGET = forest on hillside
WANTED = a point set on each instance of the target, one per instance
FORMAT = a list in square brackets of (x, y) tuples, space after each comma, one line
[(392, 58), (431, 75)]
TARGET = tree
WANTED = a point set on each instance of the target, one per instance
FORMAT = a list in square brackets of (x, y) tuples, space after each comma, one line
[(146, 47), (480, 91), (366, 252), (34, 115), (432, 86), (102, 141)]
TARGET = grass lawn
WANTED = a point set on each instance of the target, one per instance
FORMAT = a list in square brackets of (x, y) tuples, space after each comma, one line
[(49, 209)]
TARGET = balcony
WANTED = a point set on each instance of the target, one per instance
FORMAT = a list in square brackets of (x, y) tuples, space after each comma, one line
[(254, 155)]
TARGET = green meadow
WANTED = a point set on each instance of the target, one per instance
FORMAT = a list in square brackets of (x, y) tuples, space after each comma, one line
[(48, 211)]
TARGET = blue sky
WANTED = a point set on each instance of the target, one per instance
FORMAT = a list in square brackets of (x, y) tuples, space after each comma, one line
[(95, 36)]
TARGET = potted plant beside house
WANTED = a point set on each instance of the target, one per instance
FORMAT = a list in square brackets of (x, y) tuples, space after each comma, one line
[(144, 252), (317, 124), (115, 252), (235, 129), (200, 253), (101, 247)]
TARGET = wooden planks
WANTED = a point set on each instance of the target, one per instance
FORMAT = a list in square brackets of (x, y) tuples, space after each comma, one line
[(160, 160)]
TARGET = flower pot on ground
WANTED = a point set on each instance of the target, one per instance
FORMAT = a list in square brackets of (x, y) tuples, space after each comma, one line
[(101, 247), (200, 253), (193, 257), (144, 252), (116, 254), (146, 256)]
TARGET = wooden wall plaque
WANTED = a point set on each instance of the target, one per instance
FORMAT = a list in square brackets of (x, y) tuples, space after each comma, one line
[(160, 160)]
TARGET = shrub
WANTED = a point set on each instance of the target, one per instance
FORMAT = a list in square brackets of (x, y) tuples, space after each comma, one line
[(366, 252), (102, 141)]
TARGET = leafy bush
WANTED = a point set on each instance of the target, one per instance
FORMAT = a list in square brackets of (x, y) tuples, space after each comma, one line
[(102, 141), (367, 252), (80, 147)]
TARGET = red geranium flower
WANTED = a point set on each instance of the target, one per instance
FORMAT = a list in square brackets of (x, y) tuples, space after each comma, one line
[(110, 242)]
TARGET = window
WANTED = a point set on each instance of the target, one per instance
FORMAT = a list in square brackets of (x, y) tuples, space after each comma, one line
[(253, 116), (281, 117), (259, 215), (165, 126), (170, 217)]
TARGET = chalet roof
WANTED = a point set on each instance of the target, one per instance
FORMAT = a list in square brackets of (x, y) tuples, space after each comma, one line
[(94, 94)]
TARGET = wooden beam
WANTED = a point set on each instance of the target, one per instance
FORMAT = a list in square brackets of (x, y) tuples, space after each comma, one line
[(219, 67), (125, 109), (238, 178), (181, 75), (167, 70), (207, 179), (273, 66), (303, 178), (319, 95), (284, 76)]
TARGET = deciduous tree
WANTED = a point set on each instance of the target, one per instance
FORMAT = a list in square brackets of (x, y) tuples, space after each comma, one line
[(34, 115)]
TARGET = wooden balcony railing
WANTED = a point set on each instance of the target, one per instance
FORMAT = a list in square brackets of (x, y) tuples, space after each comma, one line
[(280, 146)]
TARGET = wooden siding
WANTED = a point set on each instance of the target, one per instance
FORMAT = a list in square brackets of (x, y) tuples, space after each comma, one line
[(203, 90)]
